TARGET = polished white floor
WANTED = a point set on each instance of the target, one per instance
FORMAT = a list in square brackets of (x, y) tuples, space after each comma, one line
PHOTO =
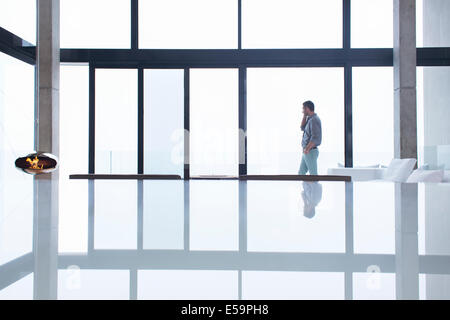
[(230, 239)]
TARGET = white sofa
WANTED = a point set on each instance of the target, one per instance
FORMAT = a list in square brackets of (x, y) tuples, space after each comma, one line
[(358, 174), (367, 174)]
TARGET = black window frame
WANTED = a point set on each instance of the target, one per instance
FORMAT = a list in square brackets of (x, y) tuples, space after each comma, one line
[(140, 59)]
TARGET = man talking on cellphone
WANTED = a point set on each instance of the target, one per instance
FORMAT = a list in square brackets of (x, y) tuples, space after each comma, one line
[(312, 138)]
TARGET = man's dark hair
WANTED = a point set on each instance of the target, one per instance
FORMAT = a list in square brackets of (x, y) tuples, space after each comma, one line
[(309, 105)]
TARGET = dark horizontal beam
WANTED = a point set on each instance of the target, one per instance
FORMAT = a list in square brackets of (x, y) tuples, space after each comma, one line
[(162, 58), (251, 58), (125, 176), (296, 178), (25, 51), (428, 57), (177, 177), (17, 47)]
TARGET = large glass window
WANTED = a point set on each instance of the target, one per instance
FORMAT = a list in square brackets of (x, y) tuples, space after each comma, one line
[(372, 23), (373, 116), (164, 121), (115, 214), (163, 214), (16, 140), (419, 23), (434, 286), (263, 285), (433, 23), (373, 286), (116, 121), (90, 284), (214, 216), (187, 284), (19, 290), (434, 225), (73, 157), (95, 24), (420, 117), (274, 114), (214, 122), (292, 216), (292, 24), (193, 24), (19, 17), (374, 218), (433, 117)]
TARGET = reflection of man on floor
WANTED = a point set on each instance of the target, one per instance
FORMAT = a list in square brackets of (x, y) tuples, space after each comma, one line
[(312, 194), (312, 138)]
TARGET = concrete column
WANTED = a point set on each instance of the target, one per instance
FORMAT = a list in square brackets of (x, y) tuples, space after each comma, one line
[(45, 237), (405, 96), (406, 241), (405, 146)]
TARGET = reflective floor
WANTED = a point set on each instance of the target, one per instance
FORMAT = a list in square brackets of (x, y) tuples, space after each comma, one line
[(230, 239)]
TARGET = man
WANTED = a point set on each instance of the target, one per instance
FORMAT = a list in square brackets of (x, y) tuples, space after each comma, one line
[(312, 195), (312, 138)]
